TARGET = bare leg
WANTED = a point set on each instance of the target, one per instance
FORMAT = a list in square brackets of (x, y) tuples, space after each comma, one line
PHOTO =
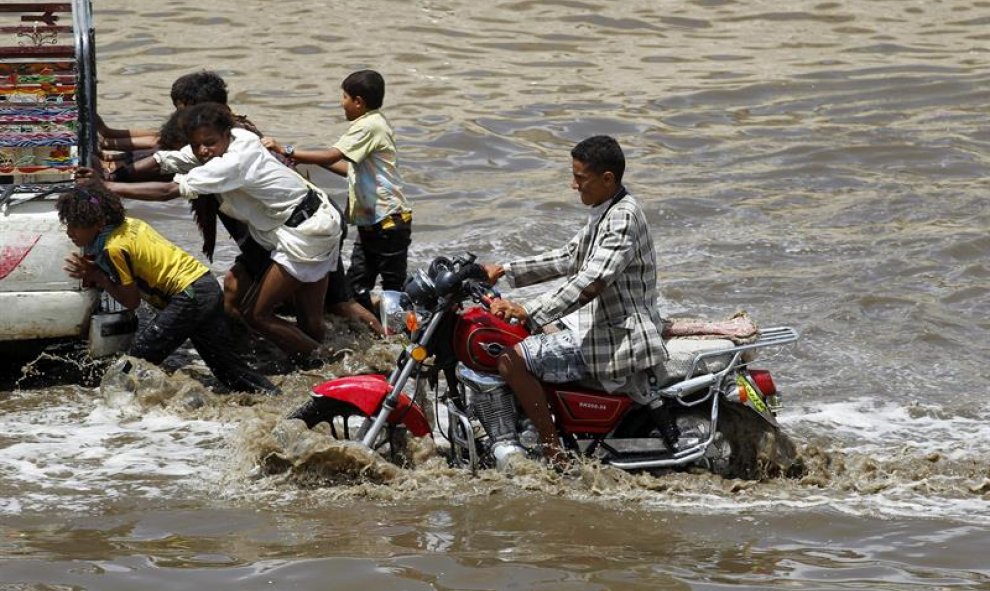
[(309, 309), (354, 310), (278, 286), (237, 285), (529, 392)]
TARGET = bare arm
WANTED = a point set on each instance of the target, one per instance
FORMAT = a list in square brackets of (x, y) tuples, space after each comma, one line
[(138, 140), (110, 133), (325, 158), (339, 167), (147, 168), (143, 191), (142, 170)]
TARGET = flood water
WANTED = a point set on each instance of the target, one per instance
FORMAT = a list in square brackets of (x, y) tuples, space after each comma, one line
[(821, 164)]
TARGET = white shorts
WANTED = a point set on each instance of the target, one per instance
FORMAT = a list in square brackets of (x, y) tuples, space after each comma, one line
[(554, 357), (307, 272)]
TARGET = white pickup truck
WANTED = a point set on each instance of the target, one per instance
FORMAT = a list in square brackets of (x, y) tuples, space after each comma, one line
[(47, 129)]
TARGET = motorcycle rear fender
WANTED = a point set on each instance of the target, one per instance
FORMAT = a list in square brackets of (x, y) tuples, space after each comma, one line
[(749, 397), (367, 392)]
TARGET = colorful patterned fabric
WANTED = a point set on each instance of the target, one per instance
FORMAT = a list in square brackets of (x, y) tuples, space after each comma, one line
[(38, 118)]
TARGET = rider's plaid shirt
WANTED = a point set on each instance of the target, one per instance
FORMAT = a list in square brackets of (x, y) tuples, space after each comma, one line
[(624, 334)]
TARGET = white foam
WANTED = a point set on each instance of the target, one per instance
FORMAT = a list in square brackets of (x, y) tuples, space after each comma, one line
[(80, 453), (888, 505), (75, 454), (926, 456), (867, 424)]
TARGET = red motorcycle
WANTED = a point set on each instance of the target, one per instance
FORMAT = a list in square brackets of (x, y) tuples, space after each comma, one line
[(715, 411)]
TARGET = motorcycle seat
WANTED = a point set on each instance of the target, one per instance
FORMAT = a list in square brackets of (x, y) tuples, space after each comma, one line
[(683, 350)]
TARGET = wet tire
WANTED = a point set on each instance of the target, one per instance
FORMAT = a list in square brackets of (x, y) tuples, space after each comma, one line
[(391, 442), (757, 449), (745, 445), (318, 410)]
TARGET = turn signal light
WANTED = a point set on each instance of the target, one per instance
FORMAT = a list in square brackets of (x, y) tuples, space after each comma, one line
[(412, 321), (419, 354)]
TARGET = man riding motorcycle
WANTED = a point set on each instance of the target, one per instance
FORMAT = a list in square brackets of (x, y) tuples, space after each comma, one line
[(611, 284)]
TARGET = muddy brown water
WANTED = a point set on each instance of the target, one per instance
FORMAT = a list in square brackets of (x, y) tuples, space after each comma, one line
[(820, 164)]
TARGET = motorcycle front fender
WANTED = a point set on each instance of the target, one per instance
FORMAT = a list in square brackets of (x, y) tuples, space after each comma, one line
[(367, 392)]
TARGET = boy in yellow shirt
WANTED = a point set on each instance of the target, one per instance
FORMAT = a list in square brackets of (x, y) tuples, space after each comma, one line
[(129, 260)]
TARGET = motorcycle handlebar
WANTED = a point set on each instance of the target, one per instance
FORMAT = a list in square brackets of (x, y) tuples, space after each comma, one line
[(475, 280), (461, 274)]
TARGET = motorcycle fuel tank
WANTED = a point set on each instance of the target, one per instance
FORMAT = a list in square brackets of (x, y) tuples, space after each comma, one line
[(480, 337)]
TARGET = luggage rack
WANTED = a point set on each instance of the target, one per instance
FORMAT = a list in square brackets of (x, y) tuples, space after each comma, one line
[(47, 94), (769, 337)]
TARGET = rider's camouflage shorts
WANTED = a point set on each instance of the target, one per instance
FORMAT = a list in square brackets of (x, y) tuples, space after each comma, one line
[(554, 358)]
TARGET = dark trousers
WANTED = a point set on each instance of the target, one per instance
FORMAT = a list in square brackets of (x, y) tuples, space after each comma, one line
[(379, 252), (197, 314)]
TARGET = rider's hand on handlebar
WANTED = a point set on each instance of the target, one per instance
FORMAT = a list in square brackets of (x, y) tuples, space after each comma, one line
[(494, 272), (509, 310)]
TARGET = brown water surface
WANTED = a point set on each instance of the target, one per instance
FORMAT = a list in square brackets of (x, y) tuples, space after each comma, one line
[(821, 164)]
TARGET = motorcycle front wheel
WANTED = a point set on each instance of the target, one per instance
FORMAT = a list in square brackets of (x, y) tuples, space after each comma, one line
[(349, 423)]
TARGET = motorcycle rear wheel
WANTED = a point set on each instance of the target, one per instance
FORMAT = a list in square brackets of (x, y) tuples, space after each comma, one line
[(759, 449), (745, 445), (719, 456)]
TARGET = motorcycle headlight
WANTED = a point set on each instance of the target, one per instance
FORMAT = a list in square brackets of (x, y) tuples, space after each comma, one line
[(421, 290), (392, 310)]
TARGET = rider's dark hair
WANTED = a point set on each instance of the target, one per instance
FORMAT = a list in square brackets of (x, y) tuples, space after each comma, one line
[(367, 84), (84, 208), (179, 128), (199, 87), (601, 153)]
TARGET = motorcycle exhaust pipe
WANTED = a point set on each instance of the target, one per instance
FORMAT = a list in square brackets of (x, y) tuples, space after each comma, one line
[(688, 386), (504, 452)]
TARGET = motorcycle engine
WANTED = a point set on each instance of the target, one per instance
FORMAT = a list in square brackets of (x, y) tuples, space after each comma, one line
[(493, 404), (492, 401)]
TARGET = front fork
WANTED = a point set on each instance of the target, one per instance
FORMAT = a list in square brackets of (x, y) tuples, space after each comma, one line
[(372, 427)]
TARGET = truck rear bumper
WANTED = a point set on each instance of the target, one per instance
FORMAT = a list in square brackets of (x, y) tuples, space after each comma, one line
[(29, 315)]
